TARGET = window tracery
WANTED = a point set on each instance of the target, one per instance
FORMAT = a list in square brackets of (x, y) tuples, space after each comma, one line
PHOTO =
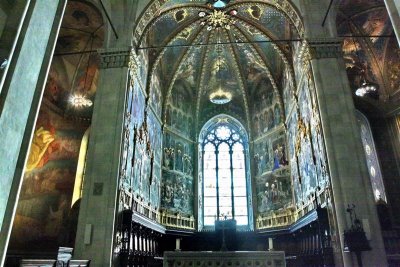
[(225, 184)]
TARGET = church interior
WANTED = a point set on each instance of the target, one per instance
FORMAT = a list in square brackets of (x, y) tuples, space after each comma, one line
[(200, 132)]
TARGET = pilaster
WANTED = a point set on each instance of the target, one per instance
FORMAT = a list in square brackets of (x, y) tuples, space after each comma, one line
[(348, 171), (393, 8), (19, 102), (96, 224)]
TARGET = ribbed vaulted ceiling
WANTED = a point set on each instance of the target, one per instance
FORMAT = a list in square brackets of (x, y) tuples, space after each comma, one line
[(242, 55)]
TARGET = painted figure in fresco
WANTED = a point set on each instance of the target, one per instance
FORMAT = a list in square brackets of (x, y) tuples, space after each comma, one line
[(276, 194), (264, 103), (266, 121), (53, 90), (168, 157), (168, 191), (256, 126), (277, 115), (179, 191), (168, 115), (257, 163), (189, 129), (270, 97), (266, 156), (264, 202), (189, 166), (174, 118), (279, 157), (179, 158), (270, 120), (41, 141)]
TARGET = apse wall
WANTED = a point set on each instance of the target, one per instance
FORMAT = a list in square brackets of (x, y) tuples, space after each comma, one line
[(178, 162), (270, 158), (141, 158), (308, 161), (295, 168)]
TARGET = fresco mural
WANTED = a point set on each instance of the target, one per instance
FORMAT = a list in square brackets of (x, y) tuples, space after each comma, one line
[(180, 110), (44, 218), (287, 150), (141, 158), (272, 173), (73, 72), (155, 94), (266, 108), (306, 147), (297, 61), (377, 57), (274, 192), (177, 168), (44, 215), (287, 89), (177, 193)]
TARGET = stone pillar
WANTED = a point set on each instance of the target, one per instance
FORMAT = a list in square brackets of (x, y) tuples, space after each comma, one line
[(393, 8), (96, 224), (349, 175), (19, 102)]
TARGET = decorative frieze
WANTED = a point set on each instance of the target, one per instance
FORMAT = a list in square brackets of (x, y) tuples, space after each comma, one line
[(325, 48), (224, 258), (115, 57)]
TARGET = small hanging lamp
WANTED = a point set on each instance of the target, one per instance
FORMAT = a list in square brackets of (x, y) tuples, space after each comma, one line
[(219, 96), (365, 88)]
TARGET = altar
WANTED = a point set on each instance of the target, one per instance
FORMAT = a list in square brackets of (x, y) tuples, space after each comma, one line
[(224, 258)]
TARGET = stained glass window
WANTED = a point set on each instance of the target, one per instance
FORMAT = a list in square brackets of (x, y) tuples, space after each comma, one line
[(224, 175), (371, 158)]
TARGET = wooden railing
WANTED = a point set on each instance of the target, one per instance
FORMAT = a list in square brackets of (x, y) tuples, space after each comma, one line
[(166, 218), (264, 221), (145, 209), (177, 221)]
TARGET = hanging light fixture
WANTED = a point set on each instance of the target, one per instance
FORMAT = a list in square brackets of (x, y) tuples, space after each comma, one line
[(366, 88), (80, 101), (76, 99), (219, 96)]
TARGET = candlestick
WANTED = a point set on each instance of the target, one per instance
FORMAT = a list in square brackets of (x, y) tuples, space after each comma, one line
[(178, 244)]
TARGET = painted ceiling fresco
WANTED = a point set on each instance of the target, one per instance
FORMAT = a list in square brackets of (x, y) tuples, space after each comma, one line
[(45, 217), (186, 48), (378, 54), (74, 69)]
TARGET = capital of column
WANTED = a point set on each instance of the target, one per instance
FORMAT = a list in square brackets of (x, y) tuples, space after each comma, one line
[(324, 48), (114, 57)]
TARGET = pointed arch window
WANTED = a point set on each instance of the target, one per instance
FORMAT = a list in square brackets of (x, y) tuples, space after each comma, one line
[(225, 184)]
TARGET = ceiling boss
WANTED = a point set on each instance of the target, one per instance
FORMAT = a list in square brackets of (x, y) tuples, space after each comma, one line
[(218, 18)]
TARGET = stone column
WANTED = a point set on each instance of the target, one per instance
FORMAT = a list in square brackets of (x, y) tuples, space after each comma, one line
[(393, 8), (19, 102), (348, 170), (96, 224)]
